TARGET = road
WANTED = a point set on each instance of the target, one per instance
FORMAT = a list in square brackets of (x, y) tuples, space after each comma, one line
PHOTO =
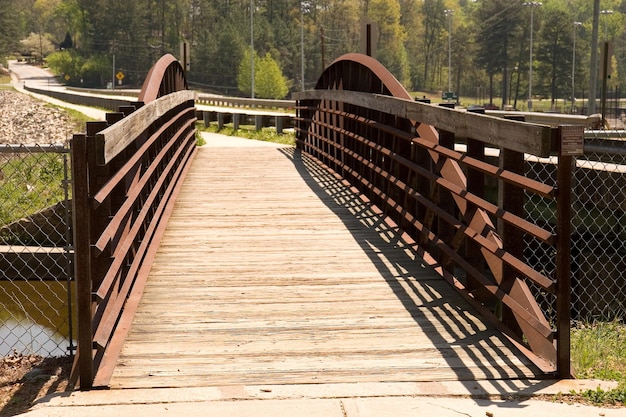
[(36, 77), (23, 74)]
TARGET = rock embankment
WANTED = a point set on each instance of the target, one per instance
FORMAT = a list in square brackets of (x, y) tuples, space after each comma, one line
[(25, 120)]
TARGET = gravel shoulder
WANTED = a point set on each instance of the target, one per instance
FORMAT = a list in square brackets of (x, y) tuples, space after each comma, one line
[(28, 120)]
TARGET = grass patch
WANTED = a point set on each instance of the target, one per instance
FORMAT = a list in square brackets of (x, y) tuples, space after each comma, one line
[(31, 182), (599, 352), (267, 134)]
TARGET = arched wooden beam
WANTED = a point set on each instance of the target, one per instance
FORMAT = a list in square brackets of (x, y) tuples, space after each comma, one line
[(165, 77), (358, 72)]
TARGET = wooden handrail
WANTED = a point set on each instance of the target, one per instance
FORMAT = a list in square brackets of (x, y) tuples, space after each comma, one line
[(126, 177), (520, 137)]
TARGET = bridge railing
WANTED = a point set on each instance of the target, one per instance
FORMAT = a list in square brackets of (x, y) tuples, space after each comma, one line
[(127, 172), (453, 184)]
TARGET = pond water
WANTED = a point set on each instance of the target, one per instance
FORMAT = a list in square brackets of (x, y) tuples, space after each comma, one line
[(31, 338), (34, 318)]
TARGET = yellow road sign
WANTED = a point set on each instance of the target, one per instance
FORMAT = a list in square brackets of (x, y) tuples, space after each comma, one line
[(119, 75)]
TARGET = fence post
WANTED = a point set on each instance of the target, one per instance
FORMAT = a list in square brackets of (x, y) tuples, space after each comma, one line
[(570, 143), (476, 186), (279, 124), (443, 197), (80, 198)]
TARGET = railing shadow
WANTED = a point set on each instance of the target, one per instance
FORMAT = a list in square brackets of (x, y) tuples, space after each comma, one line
[(423, 293), (45, 378)]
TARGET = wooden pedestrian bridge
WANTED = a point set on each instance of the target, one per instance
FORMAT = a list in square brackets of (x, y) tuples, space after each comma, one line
[(387, 246)]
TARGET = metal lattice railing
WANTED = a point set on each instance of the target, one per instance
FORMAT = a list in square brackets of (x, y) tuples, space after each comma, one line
[(35, 250), (598, 226)]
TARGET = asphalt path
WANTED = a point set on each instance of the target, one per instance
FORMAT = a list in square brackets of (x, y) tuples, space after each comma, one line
[(33, 76), (23, 74)]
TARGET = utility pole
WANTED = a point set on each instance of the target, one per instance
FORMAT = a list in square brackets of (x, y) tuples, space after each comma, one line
[(593, 78), (322, 42), (532, 5), (302, 45), (576, 25), (448, 13), (252, 48)]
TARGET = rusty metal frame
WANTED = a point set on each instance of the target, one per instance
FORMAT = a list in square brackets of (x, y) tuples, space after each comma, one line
[(165, 77), (435, 194), (123, 196)]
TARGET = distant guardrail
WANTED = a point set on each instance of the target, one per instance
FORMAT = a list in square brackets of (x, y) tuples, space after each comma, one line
[(223, 109), (234, 109), (111, 104), (252, 103), (208, 99)]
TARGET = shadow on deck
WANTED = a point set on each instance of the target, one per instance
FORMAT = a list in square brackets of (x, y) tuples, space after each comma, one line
[(272, 272)]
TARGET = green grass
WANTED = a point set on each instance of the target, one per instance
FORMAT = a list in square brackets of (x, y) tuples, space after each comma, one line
[(599, 352), (267, 134), (30, 183)]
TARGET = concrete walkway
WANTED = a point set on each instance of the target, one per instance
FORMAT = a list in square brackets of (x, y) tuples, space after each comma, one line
[(452, 399)]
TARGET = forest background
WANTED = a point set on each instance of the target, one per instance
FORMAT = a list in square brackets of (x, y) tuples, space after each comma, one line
[(487, 42)]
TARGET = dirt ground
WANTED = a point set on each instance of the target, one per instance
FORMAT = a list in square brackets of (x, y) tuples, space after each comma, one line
[(26, 378)]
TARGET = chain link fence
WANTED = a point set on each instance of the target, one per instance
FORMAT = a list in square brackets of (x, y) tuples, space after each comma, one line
[(36, 258), (35, 251), (598, 225)]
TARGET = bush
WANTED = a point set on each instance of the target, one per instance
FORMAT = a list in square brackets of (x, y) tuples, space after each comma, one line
[(269, 81), (79, 71)]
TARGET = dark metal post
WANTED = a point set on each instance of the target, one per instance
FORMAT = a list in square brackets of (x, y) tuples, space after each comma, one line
[(570, 143), (80, 199), (605, 70), (476, 186), (511, 199), (444, 198)]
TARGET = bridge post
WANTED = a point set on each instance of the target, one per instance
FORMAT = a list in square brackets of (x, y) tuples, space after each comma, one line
[(280, 121), (563, 259), (476, 186), (573, 136), (206, 118), (443, 197), (236, 120), (80, 200), (511, 199)]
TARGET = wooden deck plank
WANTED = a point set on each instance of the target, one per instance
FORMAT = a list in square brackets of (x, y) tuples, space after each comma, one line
[(266, 277)]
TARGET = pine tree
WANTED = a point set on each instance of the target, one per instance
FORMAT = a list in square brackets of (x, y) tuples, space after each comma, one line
[(8, 27)]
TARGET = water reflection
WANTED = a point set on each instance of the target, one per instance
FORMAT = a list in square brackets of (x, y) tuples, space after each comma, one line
[(30, 338), (34, 318)]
